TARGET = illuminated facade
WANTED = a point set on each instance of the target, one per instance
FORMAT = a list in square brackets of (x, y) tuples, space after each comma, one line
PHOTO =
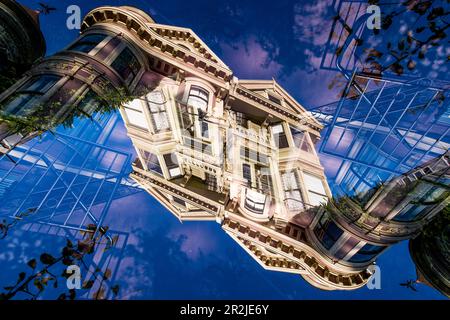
[(217, 148)]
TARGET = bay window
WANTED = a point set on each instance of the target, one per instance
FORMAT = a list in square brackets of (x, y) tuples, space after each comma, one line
[(158, 113)]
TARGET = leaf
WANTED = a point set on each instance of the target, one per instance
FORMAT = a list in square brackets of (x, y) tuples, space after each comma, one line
[(411, 64), (107, 274), (67, 251), (420, 29), (72, 294), (32, 263), (22, 276), (88, 284), (397, 68), (38, 284), (67, 261), (115, 289), (99, 294), (47, 258)]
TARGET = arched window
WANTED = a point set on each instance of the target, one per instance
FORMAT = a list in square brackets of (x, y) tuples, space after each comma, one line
[(198, 98)]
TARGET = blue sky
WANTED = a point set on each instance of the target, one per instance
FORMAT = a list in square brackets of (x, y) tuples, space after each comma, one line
[(163, 258)]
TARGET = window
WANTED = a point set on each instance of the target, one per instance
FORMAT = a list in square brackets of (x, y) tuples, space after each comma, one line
[(300, 140), (274, 99), (198, 98), (126, 65), (241, 119), (197, 145), (157, 108), (254, 201), (172, 165), (179, 201), (292, 192), (211, 182), (135, 114), (204, 129), (90, 103), (327, 232), (315, 189), (88, 42), (27, 98), (152, 162), (280, 136), (247, 173), (367, 253), (253, 155), (418, 208)]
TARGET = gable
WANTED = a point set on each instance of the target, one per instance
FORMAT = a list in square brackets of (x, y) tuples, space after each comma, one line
[(187, 39)]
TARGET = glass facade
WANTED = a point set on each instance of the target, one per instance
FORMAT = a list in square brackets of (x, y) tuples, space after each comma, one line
[(172, 165), (416, 209)]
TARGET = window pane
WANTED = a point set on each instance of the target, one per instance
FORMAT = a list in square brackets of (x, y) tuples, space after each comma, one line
[(135, 114), (27, 99), (314, 184), (327, 232), (157, 108), (366, 253), (300, 140), (247, 173), (205, 129), (126, 65), (88, 42), (152, 162), (198, 98)]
